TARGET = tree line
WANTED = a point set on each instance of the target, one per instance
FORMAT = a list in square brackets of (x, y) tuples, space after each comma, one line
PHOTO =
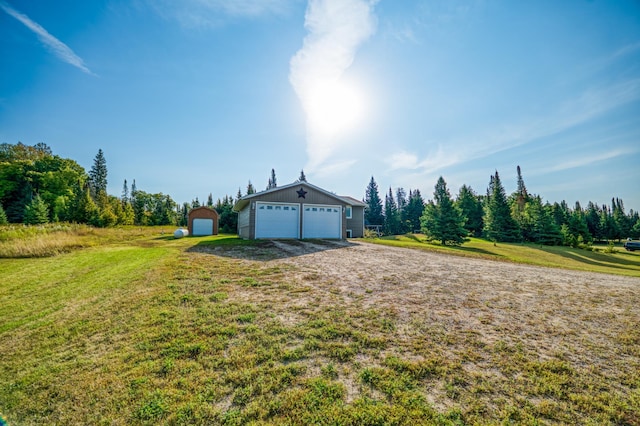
[(37, 186), (518, 217)]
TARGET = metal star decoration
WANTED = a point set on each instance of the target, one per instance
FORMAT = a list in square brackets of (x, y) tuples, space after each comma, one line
[(301, 193)]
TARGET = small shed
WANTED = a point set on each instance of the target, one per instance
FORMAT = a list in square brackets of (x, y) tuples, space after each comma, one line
[(203, 221)]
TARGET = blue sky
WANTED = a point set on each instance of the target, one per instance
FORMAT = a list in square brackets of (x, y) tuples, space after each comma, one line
[(200, 96)]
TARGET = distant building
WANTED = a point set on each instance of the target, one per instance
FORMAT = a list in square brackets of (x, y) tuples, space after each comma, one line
[(299, 210)]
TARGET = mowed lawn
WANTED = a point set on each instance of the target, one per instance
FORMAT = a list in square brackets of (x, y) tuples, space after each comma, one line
[(214, 330)]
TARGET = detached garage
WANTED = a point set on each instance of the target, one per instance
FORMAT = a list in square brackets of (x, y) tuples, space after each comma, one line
[(299, 210), (203, 221)]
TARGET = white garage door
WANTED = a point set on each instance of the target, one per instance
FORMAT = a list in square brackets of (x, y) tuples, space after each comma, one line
[(202, 226), (322, 221), (275, 220)]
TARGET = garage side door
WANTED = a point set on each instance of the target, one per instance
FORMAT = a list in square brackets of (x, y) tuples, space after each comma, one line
[(274, 220), (322, 221), (202, 226)]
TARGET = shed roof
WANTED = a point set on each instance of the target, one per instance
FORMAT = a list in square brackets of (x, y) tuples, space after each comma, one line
[(203, 208)]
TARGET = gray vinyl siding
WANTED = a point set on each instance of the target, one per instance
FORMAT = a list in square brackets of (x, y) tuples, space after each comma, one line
[(356, 223), (244, 223), (289, 194)]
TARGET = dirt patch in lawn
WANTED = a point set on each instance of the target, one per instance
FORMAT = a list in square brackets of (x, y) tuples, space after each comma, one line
[(495, 319), (552, 310)]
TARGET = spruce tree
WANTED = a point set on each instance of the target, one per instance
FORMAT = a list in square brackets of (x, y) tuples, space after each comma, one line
[(401, 202), (302, 177), (593, 221), (471, 208), (272, 180), (98, 175), (210, 200), (391, 216), (442, 220), (498, 223), (125, 192), (412, 212), (373, 209), (36, 212), (543, 229), (250, 189)]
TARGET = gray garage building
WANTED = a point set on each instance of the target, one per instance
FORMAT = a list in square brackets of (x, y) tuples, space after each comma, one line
[(299, 210)]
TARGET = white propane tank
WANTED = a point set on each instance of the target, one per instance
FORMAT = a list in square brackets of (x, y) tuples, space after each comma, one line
[(181, 233)]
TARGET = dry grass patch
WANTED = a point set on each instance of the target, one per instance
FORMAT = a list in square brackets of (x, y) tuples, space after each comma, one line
[(306, 333)]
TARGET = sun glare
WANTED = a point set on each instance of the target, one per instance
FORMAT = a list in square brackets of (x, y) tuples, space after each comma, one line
[(335, 107)]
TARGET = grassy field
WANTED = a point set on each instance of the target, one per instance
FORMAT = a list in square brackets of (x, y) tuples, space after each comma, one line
[(619, 262), (131, 326)]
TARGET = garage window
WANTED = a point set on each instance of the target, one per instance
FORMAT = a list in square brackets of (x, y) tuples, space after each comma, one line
[(349, 212)]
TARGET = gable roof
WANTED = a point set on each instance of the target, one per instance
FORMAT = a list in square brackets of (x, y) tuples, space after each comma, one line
[(353, 201), (207, 208), (242, 202)]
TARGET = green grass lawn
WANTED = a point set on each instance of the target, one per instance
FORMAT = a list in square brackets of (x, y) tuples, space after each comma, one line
[(620, 262), (141, 328)]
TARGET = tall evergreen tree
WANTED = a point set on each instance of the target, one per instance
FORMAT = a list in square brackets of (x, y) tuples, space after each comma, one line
[(373, 210), (98, 175), (183, 216), (239, 194), (543, 229), (442, 220), (401, 202), (391, 215), (125, 192), (593, 221), (471, 208), (577, 232), (272, 180), (250, 189), (228, 219), (412, 213), (560, 213), (210, 200), (499, 225), (303, 177), (622, 221)]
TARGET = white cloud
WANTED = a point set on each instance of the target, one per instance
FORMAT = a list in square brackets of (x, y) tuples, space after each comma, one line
[(588, 160), (587, 106), (58, 48), (336, 28)]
